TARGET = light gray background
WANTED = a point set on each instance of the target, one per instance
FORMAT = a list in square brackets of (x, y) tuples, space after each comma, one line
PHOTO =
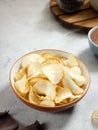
[(27, 25)]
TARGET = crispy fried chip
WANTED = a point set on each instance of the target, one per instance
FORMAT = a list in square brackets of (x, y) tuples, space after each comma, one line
[(63, 94), (33, 80), (76, 70), (33, 97), (44, 87), (72, 61), (47, 55), (22, 86), (34, 69), (53, 72), (95, 115), (19, 74), (68, 82), (31, 58), (48, 103), (79, 79)]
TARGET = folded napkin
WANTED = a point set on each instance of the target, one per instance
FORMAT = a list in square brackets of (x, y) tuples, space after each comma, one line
[(7, 122)]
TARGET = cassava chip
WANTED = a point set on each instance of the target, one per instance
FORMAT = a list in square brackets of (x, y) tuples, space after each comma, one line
[(76, 70), (63, 94), (79, 79), (47, 103), (34, 69), (68, 82), (72, 61), (53, 72), (41, 97), (22, 86), (95, 115), (33, 97), (45, 87), (47, 55), (33, 80), (19, 74), (31, 58)]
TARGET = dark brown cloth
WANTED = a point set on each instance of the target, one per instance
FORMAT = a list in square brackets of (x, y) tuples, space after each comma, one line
[(35, 126), (7, 122)]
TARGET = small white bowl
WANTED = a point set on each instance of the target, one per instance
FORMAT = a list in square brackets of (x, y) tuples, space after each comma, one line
[(93, 38)]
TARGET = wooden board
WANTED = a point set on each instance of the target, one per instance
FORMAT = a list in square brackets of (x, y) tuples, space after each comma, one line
[(86, 17)]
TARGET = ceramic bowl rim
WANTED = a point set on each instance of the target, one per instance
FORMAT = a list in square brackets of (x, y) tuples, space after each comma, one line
[(89, 36), (44, 108)]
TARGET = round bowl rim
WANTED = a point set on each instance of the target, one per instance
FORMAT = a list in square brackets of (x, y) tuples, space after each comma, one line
[(89, 36), (45, 108)]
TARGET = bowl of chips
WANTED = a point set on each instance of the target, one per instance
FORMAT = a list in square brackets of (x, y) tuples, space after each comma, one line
[(49, 80)]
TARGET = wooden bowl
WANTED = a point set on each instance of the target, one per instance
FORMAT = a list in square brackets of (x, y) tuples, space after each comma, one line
[(59, 108)]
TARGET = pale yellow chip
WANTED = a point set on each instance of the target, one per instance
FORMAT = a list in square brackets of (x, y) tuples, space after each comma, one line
[(47, 55), (79, 79), (41, 97), (76, 70), (45, 87), (19, 74), (95, 115), (63, 94), (34, 69), (72, 61), (47, 103), (50, 61), (53, 72), (33, 80), (22, 86), (31, 58), (33, 97), (64, 61), (68, 82)]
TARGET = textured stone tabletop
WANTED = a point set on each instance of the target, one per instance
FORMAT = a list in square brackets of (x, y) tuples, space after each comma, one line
[(27, 25)]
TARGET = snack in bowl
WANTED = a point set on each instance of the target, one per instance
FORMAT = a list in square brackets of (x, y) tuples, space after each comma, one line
[(49, 80)]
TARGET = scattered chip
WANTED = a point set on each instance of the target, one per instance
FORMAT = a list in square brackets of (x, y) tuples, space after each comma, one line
[(95, 115)]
